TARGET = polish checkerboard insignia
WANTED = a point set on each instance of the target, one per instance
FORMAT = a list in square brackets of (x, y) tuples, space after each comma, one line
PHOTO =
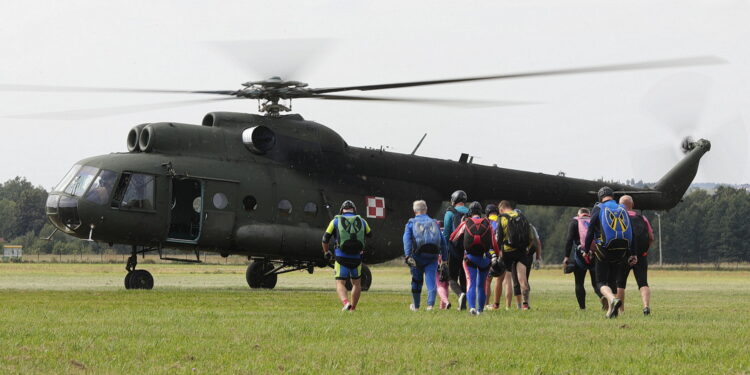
[(375, 207)]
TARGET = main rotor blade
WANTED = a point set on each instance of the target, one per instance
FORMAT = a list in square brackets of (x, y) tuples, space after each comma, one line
[(85, 114), (449, 102), (658, 64), (284, 58), (43, 88)]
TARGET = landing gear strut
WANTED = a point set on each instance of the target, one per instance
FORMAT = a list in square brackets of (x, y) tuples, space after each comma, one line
[(263, 273), (137, 279)]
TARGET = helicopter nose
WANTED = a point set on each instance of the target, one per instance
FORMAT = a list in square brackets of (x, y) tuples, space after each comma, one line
[(62, 211)]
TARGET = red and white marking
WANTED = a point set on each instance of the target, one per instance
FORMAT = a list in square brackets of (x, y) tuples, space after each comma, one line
[(375, 207)]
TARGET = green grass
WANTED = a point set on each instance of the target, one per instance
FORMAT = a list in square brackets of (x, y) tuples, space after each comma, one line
[(75, 318)]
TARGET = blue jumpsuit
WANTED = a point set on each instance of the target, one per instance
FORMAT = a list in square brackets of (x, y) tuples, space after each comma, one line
[(426, 268)]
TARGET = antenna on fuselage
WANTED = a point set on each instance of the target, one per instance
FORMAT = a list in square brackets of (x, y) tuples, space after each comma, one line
[(419, 144)]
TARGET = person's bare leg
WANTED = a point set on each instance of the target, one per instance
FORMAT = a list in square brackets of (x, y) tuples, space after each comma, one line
[(488, 287), (356, 291), (646, 296), (499, 288), (521, 270), (621, 296), (508, 286), (607, 293), (341, 290)]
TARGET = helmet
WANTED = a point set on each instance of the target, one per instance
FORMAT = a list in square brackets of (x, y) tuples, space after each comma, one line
[(347, 205), (497, 269), (458, 196), (605, 192), (491, 209), (475, 208)]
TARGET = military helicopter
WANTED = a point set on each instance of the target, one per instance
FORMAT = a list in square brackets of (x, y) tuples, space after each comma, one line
[(265, 185)]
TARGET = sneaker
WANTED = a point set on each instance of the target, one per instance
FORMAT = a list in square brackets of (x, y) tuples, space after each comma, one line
[(496, 306), (473, 311), (605, 303), (428, 308), (462, 302), (413, 308), (347, 307), (646, 311), (525, 307), (448, 306), (614, 309)]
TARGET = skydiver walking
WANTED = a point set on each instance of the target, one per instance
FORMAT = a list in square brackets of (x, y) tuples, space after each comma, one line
[(349, 230), (582, 259), (610, 224), (497, 270), (481, 250), (514, 235), (533, 255), (423, 242), (451, 220), (643, 235)]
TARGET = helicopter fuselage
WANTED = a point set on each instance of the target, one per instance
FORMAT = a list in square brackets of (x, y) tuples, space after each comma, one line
[(267, 187)]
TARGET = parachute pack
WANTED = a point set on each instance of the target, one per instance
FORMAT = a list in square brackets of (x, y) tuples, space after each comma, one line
[(518, 231), (617, 232), (427, 236), (583, 228), (477, 236), (640, 233), (351, 231)]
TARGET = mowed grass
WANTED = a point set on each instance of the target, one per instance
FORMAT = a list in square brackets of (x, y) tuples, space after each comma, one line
[(77, 318)]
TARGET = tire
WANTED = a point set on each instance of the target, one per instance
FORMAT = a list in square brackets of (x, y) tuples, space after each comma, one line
[(255, 272), (127, 279), (141, 279), (365, 280)]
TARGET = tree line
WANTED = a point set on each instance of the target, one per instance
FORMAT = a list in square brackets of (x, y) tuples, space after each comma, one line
[(704, 228)]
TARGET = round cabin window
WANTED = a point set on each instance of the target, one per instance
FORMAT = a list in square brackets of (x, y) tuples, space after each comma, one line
[(220, 201), (311, 208), (285, 207), (250, 203)]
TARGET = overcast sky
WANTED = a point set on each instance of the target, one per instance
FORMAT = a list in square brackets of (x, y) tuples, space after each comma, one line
[(611, 125)]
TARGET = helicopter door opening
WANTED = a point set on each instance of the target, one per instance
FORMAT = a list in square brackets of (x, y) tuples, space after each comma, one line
[(186, 211)]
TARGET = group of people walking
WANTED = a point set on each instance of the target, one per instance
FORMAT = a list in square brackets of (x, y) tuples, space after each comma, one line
[(477, 246)]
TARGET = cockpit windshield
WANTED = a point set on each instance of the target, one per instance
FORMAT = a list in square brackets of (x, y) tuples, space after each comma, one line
[(68, 176), (81, 181)]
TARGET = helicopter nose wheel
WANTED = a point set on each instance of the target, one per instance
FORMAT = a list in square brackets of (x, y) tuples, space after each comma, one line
[(258, 276), (365, 280), (137, 279)]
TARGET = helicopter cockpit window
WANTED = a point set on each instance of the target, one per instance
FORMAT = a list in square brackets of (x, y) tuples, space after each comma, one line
[(285, 207), (68, 176), (81, 181), (311, 208), (102, 187), (135, 192)]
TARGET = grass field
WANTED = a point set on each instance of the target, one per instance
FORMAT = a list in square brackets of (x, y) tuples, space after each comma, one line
[(77, 318)]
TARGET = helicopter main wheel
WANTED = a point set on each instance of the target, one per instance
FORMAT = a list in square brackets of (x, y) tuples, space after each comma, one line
[(256, 275), (139, 279), (365, 280)]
